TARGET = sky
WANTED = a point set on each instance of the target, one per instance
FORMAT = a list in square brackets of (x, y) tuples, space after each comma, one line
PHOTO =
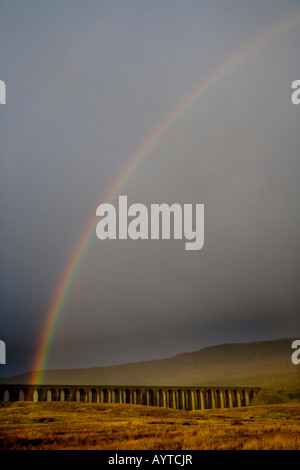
[(87, 83)]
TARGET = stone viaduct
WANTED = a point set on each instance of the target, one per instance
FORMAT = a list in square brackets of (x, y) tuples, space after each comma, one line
[(181, 398)]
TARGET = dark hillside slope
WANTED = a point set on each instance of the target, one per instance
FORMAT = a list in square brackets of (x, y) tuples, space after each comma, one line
[(265, 364)]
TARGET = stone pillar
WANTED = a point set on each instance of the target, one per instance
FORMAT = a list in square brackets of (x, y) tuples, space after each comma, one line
[(212, 399), (164, 401), (181, 399), (83, 395), (221, 399), (230, 401), (14, 394), (138, 396), (173, 399), (161, 396), (28, 394), (42, 394), (247, 400), (73, 393), (193, 407), (201, 402), (94, 395), (127, 397)]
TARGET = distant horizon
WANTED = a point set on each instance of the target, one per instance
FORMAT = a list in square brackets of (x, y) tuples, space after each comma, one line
[(153, 360)]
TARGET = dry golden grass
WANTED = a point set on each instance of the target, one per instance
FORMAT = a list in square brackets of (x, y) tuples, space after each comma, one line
[(62, 425)]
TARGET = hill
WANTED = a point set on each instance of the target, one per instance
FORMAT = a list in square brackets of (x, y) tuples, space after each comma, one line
[(265, 364)]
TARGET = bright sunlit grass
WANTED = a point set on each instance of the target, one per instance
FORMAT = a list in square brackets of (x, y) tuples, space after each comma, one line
[(61, 425)]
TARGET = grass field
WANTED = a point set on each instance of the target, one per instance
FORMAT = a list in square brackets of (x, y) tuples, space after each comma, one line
[(75, 425)]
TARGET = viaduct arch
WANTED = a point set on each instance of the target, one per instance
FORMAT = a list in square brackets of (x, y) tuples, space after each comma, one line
[(180, 398)]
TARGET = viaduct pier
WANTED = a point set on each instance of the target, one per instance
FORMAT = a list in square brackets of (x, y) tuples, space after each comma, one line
[(180, 398)]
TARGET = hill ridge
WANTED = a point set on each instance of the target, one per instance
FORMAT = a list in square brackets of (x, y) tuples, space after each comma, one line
[(257, 363)]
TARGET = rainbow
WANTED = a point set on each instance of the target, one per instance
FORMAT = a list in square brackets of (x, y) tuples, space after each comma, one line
[(142, 152)]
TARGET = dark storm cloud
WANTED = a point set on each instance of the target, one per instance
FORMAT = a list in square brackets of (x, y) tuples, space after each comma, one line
[(87, 82)]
